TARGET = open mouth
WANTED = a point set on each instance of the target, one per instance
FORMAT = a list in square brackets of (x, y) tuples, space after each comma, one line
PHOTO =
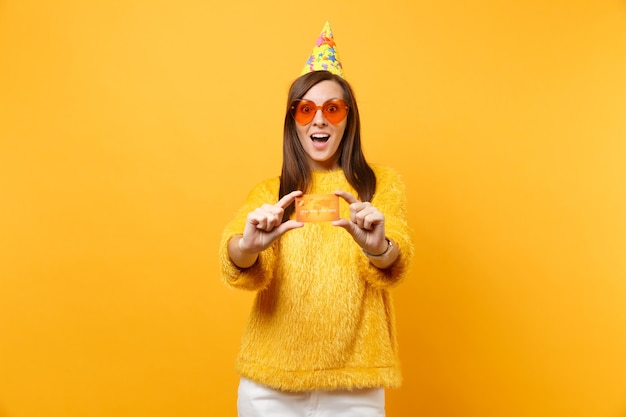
[(320, 138)]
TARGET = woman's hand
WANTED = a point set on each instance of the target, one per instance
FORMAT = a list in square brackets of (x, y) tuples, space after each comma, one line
[(366, 224), (367, 227), (263, 226)]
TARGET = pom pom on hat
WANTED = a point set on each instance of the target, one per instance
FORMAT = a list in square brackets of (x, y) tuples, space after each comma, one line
[(324, 55)]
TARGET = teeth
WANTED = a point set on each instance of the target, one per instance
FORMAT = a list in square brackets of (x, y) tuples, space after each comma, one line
[(321, 137)]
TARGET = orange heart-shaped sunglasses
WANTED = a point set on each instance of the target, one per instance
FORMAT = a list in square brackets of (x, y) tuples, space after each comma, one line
[(303, 111)]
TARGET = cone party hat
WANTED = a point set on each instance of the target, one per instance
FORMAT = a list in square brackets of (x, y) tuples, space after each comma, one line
[(324, 55)]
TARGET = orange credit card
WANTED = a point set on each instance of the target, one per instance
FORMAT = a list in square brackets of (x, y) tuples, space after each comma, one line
[(317, 208)]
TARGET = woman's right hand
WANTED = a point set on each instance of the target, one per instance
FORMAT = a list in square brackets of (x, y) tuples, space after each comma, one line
[(263, 226)]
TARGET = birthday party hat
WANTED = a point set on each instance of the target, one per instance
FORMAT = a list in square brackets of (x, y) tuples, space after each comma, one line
[(324, 55)]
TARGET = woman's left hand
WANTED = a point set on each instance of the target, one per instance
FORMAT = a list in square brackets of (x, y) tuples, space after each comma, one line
[(366, 224)]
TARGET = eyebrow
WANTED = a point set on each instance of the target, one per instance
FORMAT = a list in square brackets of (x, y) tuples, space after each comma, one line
[(334, 98)]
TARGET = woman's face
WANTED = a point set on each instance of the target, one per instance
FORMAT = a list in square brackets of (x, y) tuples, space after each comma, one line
[(320, 138)]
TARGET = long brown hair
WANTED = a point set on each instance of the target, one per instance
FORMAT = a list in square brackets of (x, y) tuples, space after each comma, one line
[(296, 172)]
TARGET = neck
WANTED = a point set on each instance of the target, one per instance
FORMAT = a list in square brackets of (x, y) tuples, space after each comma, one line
[(325, 166)]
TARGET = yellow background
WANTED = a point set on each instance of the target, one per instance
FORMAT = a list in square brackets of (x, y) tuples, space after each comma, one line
[(130, 130)]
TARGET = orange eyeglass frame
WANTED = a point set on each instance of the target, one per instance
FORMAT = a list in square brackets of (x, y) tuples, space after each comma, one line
[(303, 111)]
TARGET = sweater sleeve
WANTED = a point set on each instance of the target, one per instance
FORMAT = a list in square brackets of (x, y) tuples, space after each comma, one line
[(390, 199), (259, 275)]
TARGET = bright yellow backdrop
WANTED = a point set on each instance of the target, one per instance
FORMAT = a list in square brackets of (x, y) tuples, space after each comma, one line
[(130, 130)]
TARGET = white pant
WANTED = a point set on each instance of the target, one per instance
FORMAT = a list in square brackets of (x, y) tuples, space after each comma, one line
[(256, 400)]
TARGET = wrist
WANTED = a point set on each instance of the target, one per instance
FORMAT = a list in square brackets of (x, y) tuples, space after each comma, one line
[(242, 247), (239, 256), (386, 251)]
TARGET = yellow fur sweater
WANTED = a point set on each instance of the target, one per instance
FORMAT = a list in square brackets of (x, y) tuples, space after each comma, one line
[(323, 316)]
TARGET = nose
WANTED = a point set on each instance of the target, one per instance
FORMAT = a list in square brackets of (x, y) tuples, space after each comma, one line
[(319, 119)]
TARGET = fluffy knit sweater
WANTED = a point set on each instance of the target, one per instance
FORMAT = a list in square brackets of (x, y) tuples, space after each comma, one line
[(323, 317)]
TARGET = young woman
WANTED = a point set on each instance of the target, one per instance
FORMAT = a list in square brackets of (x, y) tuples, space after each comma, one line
[(321, 335)]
